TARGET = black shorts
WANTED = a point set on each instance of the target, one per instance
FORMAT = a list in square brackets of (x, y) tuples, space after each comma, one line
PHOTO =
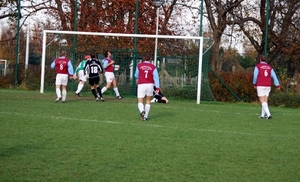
[(93, 81)]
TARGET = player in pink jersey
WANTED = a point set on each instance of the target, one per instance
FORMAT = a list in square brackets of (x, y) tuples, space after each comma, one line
[(147, 76), (108, 65), (262, 81), (64, 68)]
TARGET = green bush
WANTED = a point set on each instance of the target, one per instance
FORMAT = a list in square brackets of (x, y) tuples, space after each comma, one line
[(281, 99), (6, 81), (239, 87)]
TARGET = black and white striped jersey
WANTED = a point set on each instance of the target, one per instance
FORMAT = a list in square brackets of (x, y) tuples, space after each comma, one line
[(93, 68)]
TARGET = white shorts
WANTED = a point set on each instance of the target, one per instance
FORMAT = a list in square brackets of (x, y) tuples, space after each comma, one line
[(110, 76), (61, 79), (263, 91), (81, 76), (145, 90)]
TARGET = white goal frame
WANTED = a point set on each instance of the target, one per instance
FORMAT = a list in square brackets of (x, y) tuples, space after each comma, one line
[(45, 32), (5, 65)]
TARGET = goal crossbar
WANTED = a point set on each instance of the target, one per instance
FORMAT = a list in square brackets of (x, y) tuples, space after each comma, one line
[(45, 32)]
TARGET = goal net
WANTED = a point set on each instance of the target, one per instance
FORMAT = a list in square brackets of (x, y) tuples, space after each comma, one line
[(179, 60)]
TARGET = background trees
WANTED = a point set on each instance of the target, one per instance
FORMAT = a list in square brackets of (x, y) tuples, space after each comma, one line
[(283, 26)]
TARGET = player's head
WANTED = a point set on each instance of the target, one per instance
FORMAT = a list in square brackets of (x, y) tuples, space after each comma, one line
[(63, 53), (147, 57), (263, 58), (93, 55), (87, 57), (107, 54)]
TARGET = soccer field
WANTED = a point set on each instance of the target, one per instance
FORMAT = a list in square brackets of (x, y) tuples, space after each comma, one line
[(84, 140)]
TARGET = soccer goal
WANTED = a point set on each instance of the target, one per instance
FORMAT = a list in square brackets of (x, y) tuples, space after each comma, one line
[(179, 58), (3, 66)]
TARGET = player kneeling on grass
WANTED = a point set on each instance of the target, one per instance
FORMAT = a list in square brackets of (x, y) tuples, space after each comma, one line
[(159, 97)]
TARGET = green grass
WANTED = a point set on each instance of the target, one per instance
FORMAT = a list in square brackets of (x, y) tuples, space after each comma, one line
[(82, 140)]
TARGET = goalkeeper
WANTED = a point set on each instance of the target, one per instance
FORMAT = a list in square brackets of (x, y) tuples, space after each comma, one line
[(80, 72), (159, 97)]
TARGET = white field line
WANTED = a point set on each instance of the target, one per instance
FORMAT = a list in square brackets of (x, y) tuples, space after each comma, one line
[(256, 110), (138, 123)]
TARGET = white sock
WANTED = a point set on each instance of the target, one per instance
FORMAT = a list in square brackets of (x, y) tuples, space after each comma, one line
[(266, 108), (64, 95), (263, 113), (58, 93), (79, 88), (147, 110), (117, 91), (103, 90), (141, 107)]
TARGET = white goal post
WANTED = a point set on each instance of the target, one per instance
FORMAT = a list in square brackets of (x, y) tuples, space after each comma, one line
[(45, 32), (5, 66)]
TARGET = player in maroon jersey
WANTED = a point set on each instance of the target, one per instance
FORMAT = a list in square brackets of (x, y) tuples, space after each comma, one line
[(64, 68), (147, 76), (108, 65), (262, 81)]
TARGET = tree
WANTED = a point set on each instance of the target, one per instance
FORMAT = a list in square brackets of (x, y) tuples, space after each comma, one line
[(117, 16), (283, 27), (219, 16), (9, 10), (102, 16), (248, 58), (282, 33), (230, 60), (6, 46)]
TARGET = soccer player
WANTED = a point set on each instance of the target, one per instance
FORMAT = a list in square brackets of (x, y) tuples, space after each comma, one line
[(108, 65), (80, 72), (64, 68), (262, 81), (93, 69), (147, 76), (159, 97)]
